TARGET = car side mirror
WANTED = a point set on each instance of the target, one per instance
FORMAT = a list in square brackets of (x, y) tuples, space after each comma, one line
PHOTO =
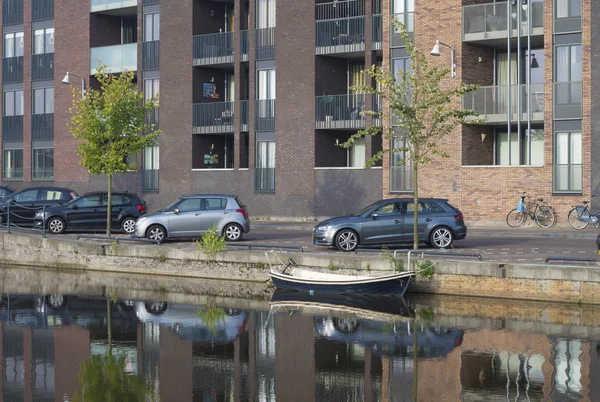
[(73, 206), (176, 211), (374, 216)]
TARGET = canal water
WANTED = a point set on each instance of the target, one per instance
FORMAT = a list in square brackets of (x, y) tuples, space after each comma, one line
[(286, 347)]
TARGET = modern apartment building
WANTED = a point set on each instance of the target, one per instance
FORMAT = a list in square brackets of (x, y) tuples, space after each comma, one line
[(255, 98)]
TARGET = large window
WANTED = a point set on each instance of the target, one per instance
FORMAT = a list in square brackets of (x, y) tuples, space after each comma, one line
[(151, 89), (401, 169), (265, 113), (13, 164), (568, 75), (265, 166), (150, 162), (568, 8), (43, 101), (567, 162), (42, 164), (151, 27), (13, 103), (530, 151), (265, 14), (43, 41), (13, 44)]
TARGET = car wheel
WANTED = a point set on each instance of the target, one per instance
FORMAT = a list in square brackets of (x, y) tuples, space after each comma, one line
[(346, 240), (56, 300), (233, 232), (156, 307), (56, 225), (345, 325), (128, 225), (441, 237), (156, 233)]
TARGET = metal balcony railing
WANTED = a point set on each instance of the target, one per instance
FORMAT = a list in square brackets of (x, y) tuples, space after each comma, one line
[(12, 12), (408, 19), (401, 178), (149, 179), (265, 44), (42, 10), (492, 103), (339, 9), (103, 5), (340, 111), (213, 117), (214, 48), (264, 180), (244, 115), (42, 67), (567, 100), (264, 114), (13, 173), (377, 32), (42, 127), (12, 70), (150, 55), (340, 35), (12, 128), (42, 173), (491, 20), (117, 58)]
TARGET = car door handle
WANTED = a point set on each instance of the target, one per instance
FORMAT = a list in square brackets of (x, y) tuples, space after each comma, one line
[(397, 221), (198, 214), (428, 220), (225, 213)]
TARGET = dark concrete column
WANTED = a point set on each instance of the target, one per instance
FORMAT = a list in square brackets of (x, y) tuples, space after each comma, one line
[(251, 83), (252, 395), (368, 376), (175, 370), (237, 56), (28, 364), (71, 349)]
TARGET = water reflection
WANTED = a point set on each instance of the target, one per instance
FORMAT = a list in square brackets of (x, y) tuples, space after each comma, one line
[(295, 348)]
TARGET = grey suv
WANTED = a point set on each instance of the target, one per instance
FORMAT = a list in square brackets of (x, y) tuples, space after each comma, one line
[(391, 221), (193, 215)]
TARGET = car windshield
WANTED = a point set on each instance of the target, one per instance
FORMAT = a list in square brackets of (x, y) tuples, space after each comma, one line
[(365, 209)]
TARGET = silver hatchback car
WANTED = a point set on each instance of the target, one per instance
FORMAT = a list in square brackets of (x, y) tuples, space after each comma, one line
[(193, 215)]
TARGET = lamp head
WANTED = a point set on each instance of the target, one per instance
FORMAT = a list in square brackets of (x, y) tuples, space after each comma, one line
[(66, 80), (436, 49)]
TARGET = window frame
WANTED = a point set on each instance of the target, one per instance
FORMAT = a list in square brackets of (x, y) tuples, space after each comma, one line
[(46, 99), (48, 39), (570, 188), (151, 27), (12, 95), (47, 171), (13, 36)]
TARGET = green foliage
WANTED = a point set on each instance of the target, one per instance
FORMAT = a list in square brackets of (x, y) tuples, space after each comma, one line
[(211, 243), (110, 124), (426, 315), (422, 110), (425, 268), (162, 258), (397, 264), (331, 267), (211, 315), (104, 379), (369, 267)]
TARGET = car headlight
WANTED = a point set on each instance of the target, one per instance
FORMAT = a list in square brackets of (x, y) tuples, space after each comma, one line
[(40, 214), (325, 228)]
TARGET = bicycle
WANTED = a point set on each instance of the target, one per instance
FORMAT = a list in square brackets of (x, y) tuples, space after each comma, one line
[(580, 216), (543, 215)]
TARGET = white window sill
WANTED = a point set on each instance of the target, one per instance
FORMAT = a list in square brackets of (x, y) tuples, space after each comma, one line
[(212, 170)]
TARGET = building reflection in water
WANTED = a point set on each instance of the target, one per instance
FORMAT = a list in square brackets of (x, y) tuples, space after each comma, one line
[(286, 355)]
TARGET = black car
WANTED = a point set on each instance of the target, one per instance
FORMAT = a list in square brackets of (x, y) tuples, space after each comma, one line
[(88, 213), (25, 203)]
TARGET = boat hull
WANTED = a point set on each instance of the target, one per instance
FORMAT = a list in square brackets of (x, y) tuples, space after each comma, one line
[(389, 285)]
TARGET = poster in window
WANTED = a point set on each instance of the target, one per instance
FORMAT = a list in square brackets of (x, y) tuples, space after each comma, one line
[(211, 159), (210, 91)]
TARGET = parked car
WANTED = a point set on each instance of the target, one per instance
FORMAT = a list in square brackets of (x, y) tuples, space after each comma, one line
[(391, 221), (5, 191), (193, 215), (88, 212), (25, 203)]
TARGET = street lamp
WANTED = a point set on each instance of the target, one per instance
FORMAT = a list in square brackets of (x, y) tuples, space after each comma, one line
[(67, 81), (436, 52)]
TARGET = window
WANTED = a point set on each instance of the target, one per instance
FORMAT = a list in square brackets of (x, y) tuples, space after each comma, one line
[(568, 8), (356, 153), (150, 160), (13, 44), (567, 162), (51, 195), (115, 199), (401, 169), (530, 153), (191, 204), (215, 203), (29, 195), (43, 101), (265, 166), (387, 209), (151, 27), (403, 12), (151, 89), (568, 71), (89, 201), (265, 14), (13, 103), (43, 164), (43, 41), (13, 164), (266, 84)]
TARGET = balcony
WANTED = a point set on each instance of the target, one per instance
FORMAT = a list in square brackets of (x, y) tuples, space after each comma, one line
[(340, 27), (105, 5), (567, 100), (265, 44), (117, 58), (244, 116), (408, 19), (12, 12), (340, 111), (42, 10), (150, 180), (488, 23), (217, 48), (213, 117), (12, 70), (264, 114), (150, 55), (12, 128), (42, 67), (42, 127), (377, 32), (492, 103), (264, 180)]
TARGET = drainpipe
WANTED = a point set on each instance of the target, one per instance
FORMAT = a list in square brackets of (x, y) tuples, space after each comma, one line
[(508, 97), (529, 93), (518, 86)]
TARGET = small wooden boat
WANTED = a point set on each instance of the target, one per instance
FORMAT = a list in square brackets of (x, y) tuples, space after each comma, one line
[(312, 281)]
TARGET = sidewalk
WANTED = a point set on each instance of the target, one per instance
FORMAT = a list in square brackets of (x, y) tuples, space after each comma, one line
[(530, 229)]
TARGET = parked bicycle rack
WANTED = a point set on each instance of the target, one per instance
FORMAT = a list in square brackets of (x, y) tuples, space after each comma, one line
[(117, 239), (272, 246)]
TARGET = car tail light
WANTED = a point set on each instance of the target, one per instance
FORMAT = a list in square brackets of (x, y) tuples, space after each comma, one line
[(458, 217), (243, 212), (141, 208), (73, 195)]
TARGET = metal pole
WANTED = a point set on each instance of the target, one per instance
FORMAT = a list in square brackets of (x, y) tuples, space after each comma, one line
[(518, 86), (44, 222), (508, 97), (528, 61), (8, 216)]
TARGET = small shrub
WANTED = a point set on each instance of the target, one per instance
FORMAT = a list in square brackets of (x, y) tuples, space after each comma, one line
[(425, 268), (162, 258), (426, 315), (397, 264), (211, 243), (369, 267), (331, 267)]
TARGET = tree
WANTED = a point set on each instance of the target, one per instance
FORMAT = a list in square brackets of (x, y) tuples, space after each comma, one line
[(420, 111), (111, 124)]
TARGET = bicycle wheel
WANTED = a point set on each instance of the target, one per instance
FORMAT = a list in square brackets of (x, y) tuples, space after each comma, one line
[(515, 218), (576, 223), (545, 217)]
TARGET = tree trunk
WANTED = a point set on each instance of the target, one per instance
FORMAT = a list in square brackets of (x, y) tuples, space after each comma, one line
[(416, 361), (416, 206), (109, 206), (109, 322)]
